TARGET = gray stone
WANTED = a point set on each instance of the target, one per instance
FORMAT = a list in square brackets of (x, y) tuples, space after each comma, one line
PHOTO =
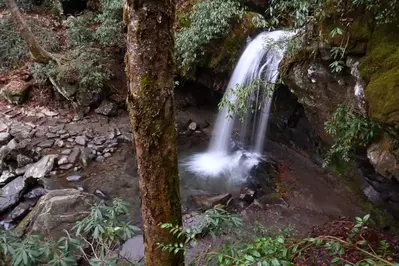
[(99, 140), (80, 140), (74, 156), (63, 160), (11, 193), (66, 166), (46, 144), (60, 143), (51, 135), (107, 108), (66, 152), (111, 135), (74, 178), (16, 91), (61, 132), (65, 136), (12, 145), (35, 193), (6, 177), (4, 138), (3, 127), (107, 155), (100, 159), (21, 210), (49, 113), (100, 194), (56, 212), (22, 170), (125, 138), (204, 201), (192, 126), (23, 160), (133, 249), (42, 167)]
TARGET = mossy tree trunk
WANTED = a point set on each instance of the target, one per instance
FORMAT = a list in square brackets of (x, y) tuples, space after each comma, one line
[(149, 67), (38, 53)]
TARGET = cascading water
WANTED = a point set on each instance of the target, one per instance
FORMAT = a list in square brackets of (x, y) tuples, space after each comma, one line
[(259, 61)]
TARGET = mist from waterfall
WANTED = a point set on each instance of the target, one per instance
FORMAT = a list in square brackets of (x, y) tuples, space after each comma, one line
[(259, 61)]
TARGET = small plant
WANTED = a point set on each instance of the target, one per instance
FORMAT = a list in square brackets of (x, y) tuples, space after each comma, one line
[(350, 130)]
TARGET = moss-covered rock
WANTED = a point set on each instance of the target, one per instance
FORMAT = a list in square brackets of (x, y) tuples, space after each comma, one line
[(380, 68), (16, 91)]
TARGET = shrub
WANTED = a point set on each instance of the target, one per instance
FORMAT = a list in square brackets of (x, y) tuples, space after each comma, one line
[(209, 20)]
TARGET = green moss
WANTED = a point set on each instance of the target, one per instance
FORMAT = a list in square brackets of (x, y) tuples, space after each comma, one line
[(380, 68)]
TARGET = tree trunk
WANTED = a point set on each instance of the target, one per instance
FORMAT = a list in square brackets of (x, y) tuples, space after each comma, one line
[(149, 67), (37, 52)]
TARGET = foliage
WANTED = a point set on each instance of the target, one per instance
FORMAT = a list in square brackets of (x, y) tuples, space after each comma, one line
[(209, 20), (24, 5), (350, 130), (101, 231), (104, 28), (13, 49), (284, 250)]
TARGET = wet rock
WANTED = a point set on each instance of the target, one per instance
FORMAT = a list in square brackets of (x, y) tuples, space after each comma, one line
[(4, 138), (46, 144), (205, 201), (74, 156), (74, 178), (133, 249), (21, 210), (107, 108), (23, 160), (55, 212), (41, 168), (192, 126), (80, 140), (35, 193), (6, 177), (11, 193), (63, 160), (66, 166)]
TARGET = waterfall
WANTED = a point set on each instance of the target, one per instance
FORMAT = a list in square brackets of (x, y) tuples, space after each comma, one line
[(259, 61)]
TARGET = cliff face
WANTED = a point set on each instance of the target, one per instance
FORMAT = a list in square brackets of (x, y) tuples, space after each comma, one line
[(369, 83)]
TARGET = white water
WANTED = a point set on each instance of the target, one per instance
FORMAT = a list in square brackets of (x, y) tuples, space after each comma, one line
[(260, 60)]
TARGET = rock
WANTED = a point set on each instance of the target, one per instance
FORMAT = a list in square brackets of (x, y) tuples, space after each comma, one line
[(99, 140), (265, 200), (125, 138), (107, 155), (111, 135), (6, 177), (35, 193), (133, 249), (66, 152), (247, 195), (85, 157), (66, 166), (80, 140), (46, 144), (192, 126), (65, 136), (63, 160), (74, 178), (100, 159), (48, 112), (42, 167), (208, 202), (100, 194), (51, 135), (4, 138), (55, 212), (16, 91), (22, 170), (11, 193), (12, 145), (61, 132), (107, 108), (60, 143), (21, 210), (383, 159), (74, 156), (3, 127), (23, 160)]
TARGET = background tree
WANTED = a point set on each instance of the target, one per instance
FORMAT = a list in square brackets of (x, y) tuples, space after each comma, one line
[(149, 68)]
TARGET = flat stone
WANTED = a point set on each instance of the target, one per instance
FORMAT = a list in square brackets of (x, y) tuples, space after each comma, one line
[(66, 152), (63, 160), (11, 193), (46, 144), (60, 143), (35, 193), (61, 132), (3, 127), (49, 113), (74, 178), (65, 136), (74, 156), (42, 167), (22, 170), (107, 155), (12, 145), (99, 140), (21, 210), (23, 160), (80, 140), (107, 108), (4, 138), (133, 249), (66, 166), (51, 135)]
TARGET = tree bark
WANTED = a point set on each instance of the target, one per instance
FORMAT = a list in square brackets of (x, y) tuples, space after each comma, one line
[(38, 53), (149, 68)]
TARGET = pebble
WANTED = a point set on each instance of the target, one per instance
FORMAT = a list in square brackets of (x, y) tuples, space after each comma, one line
[(80, 140), (46, 144), (51, 135), (74, 178), (107, 155), (70, 139), (100, 159), (64, 136), (59, 143)]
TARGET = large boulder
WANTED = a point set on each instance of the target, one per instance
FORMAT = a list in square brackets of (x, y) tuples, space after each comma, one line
[(16, 91), (57, 211)]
